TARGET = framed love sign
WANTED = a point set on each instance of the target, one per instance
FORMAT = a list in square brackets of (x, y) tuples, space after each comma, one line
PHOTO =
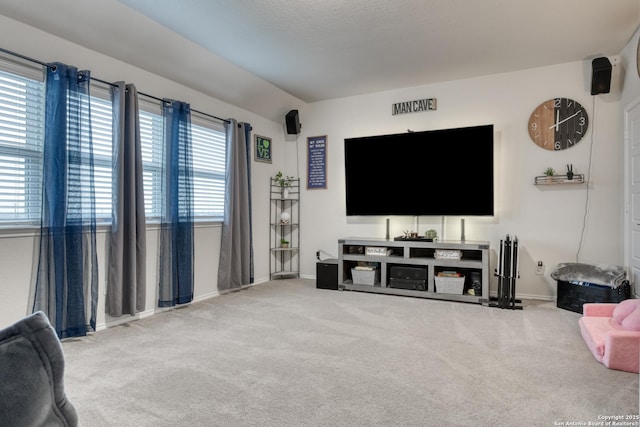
[(263, 149)]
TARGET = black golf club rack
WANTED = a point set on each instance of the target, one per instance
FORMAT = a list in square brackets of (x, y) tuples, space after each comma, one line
[(507, 273)]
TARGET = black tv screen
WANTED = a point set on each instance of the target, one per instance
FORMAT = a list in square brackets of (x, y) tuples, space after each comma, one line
[(437, 172)]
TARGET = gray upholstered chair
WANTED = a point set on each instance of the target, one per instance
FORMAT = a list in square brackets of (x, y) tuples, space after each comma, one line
[(31, 376)]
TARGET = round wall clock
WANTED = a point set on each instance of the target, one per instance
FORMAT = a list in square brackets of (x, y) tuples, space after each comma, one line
[(558, 124)]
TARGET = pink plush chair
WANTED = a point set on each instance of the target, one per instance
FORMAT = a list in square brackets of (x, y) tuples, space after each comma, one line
[(612, 333)]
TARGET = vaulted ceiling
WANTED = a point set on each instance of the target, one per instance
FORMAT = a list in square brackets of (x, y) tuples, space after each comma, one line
[(271, 55)]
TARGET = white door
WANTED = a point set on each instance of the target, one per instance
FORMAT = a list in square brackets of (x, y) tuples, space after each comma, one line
[(632, 232)]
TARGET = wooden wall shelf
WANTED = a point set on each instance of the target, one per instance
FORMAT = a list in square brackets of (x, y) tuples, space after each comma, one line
[(578, 178)]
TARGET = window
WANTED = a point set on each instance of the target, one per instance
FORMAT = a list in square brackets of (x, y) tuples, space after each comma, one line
[(21, 142), (22, 101), (151, 131), (102, 131), (208, 140), (208, 152)]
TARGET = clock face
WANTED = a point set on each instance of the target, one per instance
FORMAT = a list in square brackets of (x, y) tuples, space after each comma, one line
[(558, 124)]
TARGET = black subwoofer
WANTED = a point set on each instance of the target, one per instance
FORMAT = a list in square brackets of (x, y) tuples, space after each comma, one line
[(327, 274)]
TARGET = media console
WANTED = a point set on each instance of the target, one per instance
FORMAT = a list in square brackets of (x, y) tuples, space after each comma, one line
[(413, 268)]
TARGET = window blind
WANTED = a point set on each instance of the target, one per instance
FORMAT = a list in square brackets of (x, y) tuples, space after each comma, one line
[(101, 129), (21, 143), (208, 152), (151, 131)]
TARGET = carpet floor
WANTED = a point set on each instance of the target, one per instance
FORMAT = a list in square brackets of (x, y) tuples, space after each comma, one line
[(284, 353)]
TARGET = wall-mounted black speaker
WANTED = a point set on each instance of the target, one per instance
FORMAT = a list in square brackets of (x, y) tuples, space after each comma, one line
[(601, 76), (293, 122)]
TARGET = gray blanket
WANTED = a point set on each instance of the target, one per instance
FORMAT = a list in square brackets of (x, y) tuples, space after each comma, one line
[(602, 274)]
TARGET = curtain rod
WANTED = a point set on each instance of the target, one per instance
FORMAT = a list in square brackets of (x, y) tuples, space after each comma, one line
[(195, 111), (44, 64)]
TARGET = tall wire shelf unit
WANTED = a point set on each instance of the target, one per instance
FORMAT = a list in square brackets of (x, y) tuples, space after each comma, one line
[(284, 219)]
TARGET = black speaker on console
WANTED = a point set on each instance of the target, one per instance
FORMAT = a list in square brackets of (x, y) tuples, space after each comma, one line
[(601, 76), (293, 122)]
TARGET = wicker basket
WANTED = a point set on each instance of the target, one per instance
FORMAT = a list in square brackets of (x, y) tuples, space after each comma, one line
[(449, 285)]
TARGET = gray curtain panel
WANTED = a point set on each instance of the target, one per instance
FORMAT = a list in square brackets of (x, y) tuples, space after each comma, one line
[(236, 264), (126, 286)]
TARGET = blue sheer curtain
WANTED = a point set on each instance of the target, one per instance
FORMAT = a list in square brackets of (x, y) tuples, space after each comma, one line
[(66, 286), (176, 229)]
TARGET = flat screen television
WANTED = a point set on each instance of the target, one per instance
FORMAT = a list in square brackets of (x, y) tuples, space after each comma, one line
[(446, 172)]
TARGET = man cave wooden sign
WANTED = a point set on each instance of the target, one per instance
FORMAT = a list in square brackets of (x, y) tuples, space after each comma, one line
[(416, 106)]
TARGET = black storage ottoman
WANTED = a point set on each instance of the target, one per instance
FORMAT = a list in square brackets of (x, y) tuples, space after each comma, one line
[(580, 283), (571, 296)]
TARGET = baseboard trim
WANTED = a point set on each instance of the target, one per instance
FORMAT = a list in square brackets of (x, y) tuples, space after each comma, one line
[(117, 321), (533, 297), (493, 293)]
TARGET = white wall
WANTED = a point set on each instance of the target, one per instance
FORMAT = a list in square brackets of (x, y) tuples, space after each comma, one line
[(16, 248), (547, 220)]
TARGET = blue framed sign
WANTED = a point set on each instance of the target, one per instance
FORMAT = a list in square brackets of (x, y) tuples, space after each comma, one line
[(317, 162)]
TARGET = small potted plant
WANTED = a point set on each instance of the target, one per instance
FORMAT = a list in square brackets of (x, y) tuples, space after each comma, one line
[(549, 173), (431, 235), (284, 182), (284, 243)]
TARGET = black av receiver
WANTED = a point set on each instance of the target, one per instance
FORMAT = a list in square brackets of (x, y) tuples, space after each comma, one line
[(414, 278)]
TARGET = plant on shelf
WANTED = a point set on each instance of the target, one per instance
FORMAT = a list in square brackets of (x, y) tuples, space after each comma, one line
[(431, 234), (284, 243), (283, 181), (549, 171)]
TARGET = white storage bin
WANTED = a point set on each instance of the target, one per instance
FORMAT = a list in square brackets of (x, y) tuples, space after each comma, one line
[(364, 277), (449, 285)]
